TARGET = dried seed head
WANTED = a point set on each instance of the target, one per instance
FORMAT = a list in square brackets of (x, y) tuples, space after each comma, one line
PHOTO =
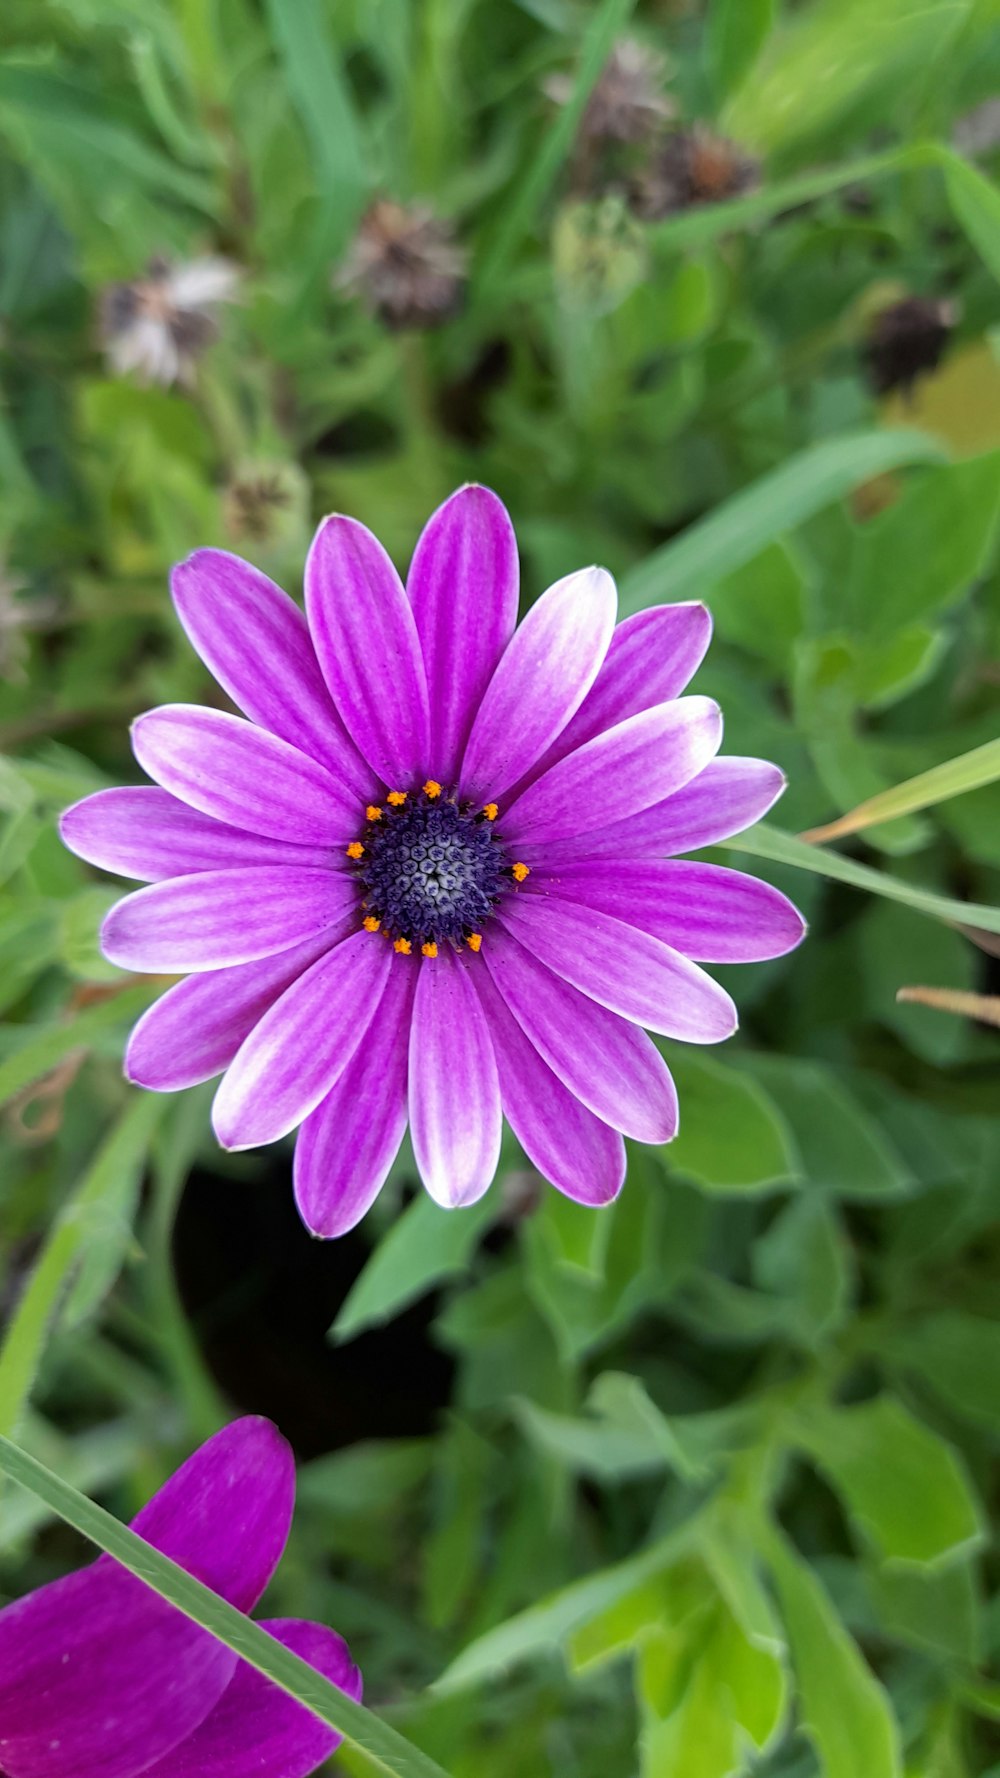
[(905, 340), (158, 325), (405, 265), (265, 502), (627, 103), (691, 167)]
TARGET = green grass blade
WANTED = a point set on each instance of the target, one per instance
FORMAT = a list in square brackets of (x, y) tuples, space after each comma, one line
[(388, 1752), (775, 504), (764, 841), (970, 771), (38, 1050)]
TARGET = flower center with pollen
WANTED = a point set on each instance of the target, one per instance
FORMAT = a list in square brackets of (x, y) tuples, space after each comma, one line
[(430, 869)]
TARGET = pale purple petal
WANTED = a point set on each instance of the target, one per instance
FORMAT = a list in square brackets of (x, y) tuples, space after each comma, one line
[(255, 641), (611, 1066), (711, 913), (300, 1048), (624, 969), (455, 1115), (573, 1149), (727, 796), (462, 586), (142, 831), (366, 638), (619, 773), (547, 670), (651, 657), (345, 1148), (240, 774), (256, 1730), (218, 918), (99, 1677), (194, 1030)]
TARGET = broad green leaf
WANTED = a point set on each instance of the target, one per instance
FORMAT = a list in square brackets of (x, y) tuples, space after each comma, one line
[(388, 1752), (626, 1436), (958, 1354), (841, 1147), (623, 1624), (927, 549), (902, 1485), (843, 1708), (424, 1245), (86, 1242), (737, 32), (751, 520), (734, 1564), (932, 1609), (733, 1702), (761, 606), (733, 1139), (79, 935), (803, 1257), (765, 841), (897, 947)]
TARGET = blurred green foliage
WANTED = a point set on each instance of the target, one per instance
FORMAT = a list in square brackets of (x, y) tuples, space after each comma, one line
[(714, 1493)]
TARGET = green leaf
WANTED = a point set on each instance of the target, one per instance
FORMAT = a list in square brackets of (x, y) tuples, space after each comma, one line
[(90, 1232), (33, 1050), (844, 1709), (424, 1245), (916, 558), (731, 1703), (906, 1490), (322, 99), (751, 520), (733, 1139), (959, 1356), (765, 841), (737, 32), (953, 778), (387, 1751), (976, 203), (627, 1436), (803, 1257), (842, 1149), (933, 1609), (761, 606)]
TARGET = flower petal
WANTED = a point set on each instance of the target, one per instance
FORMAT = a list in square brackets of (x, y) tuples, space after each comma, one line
[(455, 1115), (241, 774), (611, 1066), (143, 831), (195, 1029), (99, 1677), (300, 1048), (256, 1727), (651, 657), (624, 969), (365, 636), (711, 913), (620, 772), (546, 672), (726, 797), (574, 1150), (218, 918), (255, 641), (345, 1147), (463, 586)]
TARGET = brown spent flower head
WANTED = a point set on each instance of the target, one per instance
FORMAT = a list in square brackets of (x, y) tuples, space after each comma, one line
[(627, 103), (690, 167), (158, 325), (906, 340), (251, 503), (405, 265)]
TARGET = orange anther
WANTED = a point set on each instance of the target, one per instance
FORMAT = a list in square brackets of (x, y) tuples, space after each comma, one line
[(491, 811), (355, 849), (519, 872), (370, 923), (474, 941), (403, 946), (429, 949), (373, 812), (397, 798), (432, 788)]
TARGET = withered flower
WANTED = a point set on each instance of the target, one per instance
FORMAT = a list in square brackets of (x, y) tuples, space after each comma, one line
[(405, 265), (159, 325), (627, 103), (905, 340), (693, 166)]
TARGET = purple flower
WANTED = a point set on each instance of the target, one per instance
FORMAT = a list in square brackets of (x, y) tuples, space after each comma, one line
[(427, 878), (101, 1678)]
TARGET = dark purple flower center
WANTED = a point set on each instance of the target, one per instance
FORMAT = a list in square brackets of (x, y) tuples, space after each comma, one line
[(431, 870)]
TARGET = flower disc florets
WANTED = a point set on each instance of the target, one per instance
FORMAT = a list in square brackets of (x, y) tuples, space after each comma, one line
[(431, 868)]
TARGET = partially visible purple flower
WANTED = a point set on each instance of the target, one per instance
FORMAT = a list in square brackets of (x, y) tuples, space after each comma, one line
[(101, 1678), (158, 325), (433, 876)]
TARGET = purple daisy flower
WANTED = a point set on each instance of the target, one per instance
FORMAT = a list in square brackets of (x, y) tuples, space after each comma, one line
[(431, 876), (101, 1678)]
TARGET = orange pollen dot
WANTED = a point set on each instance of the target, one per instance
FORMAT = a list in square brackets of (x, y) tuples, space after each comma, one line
[(430, 949), (491, 811), (373, 812), (403, 946), (355, 849), (370, 923), (397, 798), (519, 872), (474, 941), (432, 788)]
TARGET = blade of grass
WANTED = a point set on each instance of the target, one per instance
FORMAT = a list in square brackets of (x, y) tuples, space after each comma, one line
[(388, 1751), (764, 841), (968, 772), (985, 1007), (38, 1050)]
